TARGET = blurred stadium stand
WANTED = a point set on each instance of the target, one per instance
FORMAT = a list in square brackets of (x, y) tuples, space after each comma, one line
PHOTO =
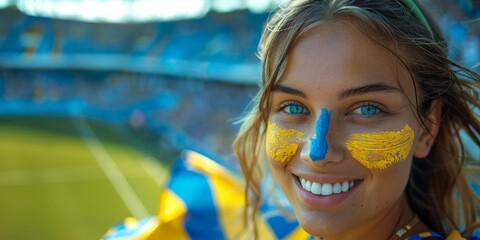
[(182, 79), (214, 47), (145, 73)]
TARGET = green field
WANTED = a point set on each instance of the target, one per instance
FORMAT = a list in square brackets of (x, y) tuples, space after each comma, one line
[(66, 178)]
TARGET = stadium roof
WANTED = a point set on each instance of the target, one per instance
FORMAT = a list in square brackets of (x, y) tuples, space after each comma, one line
[(122, 11)]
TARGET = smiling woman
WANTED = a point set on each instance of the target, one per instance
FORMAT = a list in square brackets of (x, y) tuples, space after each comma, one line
[(354, 123), (355, 62)]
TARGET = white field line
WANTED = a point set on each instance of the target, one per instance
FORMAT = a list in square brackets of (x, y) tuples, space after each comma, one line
[(48, 175), (111, 170)]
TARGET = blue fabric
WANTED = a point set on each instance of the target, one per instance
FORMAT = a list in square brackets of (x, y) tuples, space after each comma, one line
[(193, 188)]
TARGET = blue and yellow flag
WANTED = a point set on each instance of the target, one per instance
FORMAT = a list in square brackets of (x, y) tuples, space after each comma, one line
[(204, 200)]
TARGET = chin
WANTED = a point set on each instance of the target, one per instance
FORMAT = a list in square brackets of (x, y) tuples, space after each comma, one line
[(319, 231), (320, 224)]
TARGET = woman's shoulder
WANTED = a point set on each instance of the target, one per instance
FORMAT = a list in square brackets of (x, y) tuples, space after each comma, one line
[(454, 235)]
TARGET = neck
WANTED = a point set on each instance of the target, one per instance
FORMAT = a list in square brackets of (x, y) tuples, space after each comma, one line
[(381, 226), (405, 221)]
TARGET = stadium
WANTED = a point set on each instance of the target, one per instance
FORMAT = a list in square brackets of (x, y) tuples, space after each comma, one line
[(94, 111)]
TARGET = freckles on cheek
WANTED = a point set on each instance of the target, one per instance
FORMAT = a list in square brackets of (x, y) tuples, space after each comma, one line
[(282, 144), (380, 150)]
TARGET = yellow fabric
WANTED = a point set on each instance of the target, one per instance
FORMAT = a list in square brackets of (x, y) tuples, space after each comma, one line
[(227, 193), (425, 234), (455, 235), (298, 234), (170, 206), (210, 168), (170, 213), (228, 196)]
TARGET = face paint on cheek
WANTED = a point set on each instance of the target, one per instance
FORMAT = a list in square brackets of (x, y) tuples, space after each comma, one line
[(282, 144), (380, 150)]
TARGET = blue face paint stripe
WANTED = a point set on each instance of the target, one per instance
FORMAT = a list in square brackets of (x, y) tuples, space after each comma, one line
[(319, 146)]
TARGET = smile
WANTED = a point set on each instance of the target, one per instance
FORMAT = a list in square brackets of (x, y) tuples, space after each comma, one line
[(327, 189)]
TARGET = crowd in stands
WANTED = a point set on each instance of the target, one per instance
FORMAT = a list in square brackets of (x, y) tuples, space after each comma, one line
[(203, 111), (215, 39), (188, 113), (219, 37)]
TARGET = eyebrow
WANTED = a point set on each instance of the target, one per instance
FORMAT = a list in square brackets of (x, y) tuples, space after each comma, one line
[(377, 87), (289, 90)]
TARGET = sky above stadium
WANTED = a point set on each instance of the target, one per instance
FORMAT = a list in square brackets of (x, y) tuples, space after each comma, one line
[(134, 10)]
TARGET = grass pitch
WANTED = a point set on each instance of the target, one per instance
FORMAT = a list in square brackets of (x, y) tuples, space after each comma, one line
[(65, 178)]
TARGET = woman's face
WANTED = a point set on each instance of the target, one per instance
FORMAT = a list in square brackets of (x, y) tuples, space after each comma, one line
[(341, 133)]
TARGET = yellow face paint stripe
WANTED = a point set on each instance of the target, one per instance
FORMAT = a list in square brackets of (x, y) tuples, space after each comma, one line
[(282, 144), (380, 150)]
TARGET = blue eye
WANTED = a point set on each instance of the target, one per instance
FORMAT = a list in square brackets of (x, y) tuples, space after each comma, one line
[(293, 108), (367, 109)]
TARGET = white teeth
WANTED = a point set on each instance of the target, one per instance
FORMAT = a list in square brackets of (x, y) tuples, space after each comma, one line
[(316, 188), (337, 188), (308, 186), (326, 189), (345, 186)]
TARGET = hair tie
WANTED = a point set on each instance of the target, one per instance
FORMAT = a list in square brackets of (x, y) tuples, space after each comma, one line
[(410, 4)]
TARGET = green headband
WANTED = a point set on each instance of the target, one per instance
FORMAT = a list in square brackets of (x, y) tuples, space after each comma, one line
[(410, 4)]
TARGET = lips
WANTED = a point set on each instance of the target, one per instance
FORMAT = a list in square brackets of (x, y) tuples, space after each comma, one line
[(327, 188)]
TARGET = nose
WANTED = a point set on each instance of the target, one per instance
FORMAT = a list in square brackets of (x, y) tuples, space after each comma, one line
[(318, 144), (319, 148)]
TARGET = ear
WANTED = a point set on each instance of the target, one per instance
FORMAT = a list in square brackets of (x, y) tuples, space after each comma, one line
[(428, 133)]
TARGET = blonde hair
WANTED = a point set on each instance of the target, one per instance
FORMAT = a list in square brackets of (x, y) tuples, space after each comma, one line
[(438, 189)]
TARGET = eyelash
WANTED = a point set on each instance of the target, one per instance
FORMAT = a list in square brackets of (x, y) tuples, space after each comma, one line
[(369, 104), (379, 108), (284, 105)]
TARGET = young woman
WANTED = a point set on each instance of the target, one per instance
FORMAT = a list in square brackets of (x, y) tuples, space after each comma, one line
[(358, 120)]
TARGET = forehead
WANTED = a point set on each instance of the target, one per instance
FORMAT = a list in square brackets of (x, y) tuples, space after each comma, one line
[(338, 55)]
